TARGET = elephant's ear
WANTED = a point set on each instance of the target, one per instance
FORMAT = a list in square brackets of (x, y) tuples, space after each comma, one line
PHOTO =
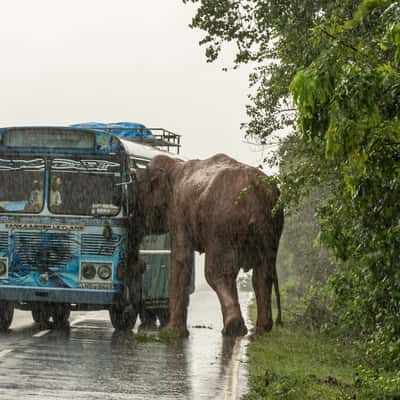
[(157, 177), (139, 174)]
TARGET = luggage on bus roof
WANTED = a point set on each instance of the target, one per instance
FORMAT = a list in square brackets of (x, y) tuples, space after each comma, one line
[(124, 130)]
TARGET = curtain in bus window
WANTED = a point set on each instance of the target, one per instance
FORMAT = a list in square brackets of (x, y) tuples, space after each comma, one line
[(156, 276), (21, 184), (85, 187)]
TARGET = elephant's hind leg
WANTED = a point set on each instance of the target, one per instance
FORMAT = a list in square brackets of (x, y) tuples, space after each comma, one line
[(221, 275), (263, 277)]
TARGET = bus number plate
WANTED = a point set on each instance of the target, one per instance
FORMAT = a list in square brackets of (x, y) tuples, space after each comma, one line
[(98, 286)]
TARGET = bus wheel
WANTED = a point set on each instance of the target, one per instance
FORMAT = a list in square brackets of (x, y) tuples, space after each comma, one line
[(6, 314), (60, 313), (123, 319), (163, 316), (41, 313)]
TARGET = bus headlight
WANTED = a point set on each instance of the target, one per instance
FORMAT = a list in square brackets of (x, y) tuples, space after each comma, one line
[(3, 267), (104, 271), (88, 271)]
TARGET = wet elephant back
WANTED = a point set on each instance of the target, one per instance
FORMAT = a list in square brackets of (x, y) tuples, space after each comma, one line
[(220, 194)]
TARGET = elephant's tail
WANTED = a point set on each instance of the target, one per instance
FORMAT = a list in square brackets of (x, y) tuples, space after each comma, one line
[(278, 298), (278, 221)]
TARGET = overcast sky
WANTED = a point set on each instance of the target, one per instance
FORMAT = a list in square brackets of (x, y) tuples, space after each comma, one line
[(127, 60)]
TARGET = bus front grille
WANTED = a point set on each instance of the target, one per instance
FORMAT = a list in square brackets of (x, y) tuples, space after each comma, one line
[(97, 245), (41, 250), (3, 242)]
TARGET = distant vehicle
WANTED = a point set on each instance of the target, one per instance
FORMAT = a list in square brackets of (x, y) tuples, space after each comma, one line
[(63, 223)]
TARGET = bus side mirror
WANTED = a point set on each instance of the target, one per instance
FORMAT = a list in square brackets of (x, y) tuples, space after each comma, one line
[(125, 183)]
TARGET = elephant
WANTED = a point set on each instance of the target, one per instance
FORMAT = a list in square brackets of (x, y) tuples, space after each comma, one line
[(220, 207)]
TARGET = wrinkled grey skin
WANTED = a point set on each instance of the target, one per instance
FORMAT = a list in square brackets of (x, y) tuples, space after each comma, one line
[(222, 208)]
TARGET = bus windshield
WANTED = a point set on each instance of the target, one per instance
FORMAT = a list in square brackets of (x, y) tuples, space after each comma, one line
[(85, 187), (21, 184)]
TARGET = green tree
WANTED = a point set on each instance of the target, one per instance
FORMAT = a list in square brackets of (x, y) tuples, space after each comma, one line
[(276, 37), (348, 100)]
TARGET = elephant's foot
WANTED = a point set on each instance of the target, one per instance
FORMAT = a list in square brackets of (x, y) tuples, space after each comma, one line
[(235, 327), (171, 330), (264, 327), (147, 326)]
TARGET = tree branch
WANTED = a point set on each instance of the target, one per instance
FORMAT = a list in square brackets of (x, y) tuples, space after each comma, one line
[(349, 46)]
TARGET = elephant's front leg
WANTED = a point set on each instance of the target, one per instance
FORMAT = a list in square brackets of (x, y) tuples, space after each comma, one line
[(221, 275), (181, 270)]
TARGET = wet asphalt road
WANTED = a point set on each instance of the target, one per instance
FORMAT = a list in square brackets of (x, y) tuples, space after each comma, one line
[(89, 360)]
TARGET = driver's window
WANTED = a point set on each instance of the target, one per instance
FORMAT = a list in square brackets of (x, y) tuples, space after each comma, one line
[(135, 164), (132, 165)]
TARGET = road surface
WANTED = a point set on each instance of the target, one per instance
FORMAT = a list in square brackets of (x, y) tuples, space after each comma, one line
[(88, 360)]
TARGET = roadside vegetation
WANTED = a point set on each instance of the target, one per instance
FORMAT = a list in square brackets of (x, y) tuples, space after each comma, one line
[(325, 92), (293, 362), (312, 356)]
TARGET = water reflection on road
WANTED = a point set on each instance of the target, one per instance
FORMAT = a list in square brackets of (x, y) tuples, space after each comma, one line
[(90, 361)]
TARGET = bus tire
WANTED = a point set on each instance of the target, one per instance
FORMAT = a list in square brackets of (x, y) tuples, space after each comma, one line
[(41, 313), (122, 319), (6, 314), (60, 313)]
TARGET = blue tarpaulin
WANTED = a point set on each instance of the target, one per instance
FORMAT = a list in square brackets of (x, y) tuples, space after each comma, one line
[(124, 130)]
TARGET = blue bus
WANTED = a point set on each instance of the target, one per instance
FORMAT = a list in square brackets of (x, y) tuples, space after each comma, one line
[(64, 195)]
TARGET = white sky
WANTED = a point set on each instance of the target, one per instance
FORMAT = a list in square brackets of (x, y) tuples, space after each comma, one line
[(70, 61)]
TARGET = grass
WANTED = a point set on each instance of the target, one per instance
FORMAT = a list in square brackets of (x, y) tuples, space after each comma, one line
[(159, 336), (292, 363)]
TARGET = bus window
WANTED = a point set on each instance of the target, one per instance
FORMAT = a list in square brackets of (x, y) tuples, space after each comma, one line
[(21, 185), (85, 187), (132, 165), (135, 164)]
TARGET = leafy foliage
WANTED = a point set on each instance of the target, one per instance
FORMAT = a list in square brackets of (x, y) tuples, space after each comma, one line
[(304, 265), (348, 101), (275, 36)]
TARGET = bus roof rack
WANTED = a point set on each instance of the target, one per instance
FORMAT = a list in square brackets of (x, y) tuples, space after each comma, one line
[(137, 132), (161, 138)]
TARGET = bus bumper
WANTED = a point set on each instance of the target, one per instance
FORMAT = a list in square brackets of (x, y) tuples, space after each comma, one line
[(58, 295)]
